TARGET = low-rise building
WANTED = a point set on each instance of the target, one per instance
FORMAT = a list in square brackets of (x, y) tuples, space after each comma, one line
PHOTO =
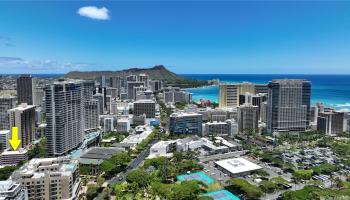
[(237, 167), (145, 106), (11, 158), (137, 138), (139, 120), (123, 125), (229, 128), (9, 190), (185, 123), (162, 148), (94, 156), (49, 178)]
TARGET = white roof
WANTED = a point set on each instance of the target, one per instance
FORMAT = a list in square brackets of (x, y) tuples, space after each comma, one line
[(20, 151), (4, 132), (22, 107), (238, 165), (188, 114), (144, 101)]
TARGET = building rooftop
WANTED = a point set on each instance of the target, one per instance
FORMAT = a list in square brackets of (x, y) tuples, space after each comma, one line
[(21, 107), (182, 114), (289, 81), (2, 132), (237, 165), (103, 153), (136, 139), (20, 151), (33, 168), (145, 101)]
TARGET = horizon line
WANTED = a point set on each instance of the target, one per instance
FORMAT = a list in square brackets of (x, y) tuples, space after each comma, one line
[(8, 74)]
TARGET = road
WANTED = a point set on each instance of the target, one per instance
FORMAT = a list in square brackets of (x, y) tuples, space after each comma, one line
[(234, 154), (121, 177)]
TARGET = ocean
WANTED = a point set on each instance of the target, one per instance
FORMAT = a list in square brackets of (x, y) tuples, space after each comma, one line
[(331, 90)]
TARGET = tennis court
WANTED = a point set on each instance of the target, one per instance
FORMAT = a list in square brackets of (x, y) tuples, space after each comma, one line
[(221, 195), (199, 176)]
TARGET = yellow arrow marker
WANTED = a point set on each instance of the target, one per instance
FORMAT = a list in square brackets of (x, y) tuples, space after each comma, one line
[(15, 142)]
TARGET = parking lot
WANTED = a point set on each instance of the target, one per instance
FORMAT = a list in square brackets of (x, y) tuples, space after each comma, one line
[(213, 172)]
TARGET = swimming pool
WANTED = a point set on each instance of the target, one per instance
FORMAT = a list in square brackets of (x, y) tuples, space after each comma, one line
[(221, 195), (199, 176)]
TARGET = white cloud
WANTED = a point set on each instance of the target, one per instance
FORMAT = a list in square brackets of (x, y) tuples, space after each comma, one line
[(94, 12), (16, 64)]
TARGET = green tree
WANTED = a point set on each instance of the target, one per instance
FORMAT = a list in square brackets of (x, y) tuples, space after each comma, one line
[(85, 170), (6, 172), (186, 190), (115, 164), (139, 177), (325, 168), (100, 180), (268, 186), (302, 174), (92, 191), (242, 186), (39, 150)]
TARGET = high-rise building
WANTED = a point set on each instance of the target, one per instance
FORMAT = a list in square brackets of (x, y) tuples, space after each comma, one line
[(38, 95), (130, 88), (99, 98), (331, 123), (143, 78), (108, 124), (288, 105), (248, 118), (49, 178), (256, 100), (25, 89), (185, 123), (103, 81), (148, 94), (88, 90), (145, 106), (229, 94), (263, 111), (113, 92), (91, 110), (131, 78), (6, 103), (4, 139), (137, 90), (175, 95), (118, 82), (23, 117), (64, 116), (261, 89), (9, 190), (101, 92), (156, 85)]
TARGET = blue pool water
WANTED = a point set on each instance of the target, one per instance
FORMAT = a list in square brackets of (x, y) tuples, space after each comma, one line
[(222, 195), (199, 176)]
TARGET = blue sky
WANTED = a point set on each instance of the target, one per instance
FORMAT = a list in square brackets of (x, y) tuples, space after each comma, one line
[(187, 37)]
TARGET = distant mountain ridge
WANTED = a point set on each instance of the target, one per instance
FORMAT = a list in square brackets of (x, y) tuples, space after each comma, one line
[(158, 72)]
